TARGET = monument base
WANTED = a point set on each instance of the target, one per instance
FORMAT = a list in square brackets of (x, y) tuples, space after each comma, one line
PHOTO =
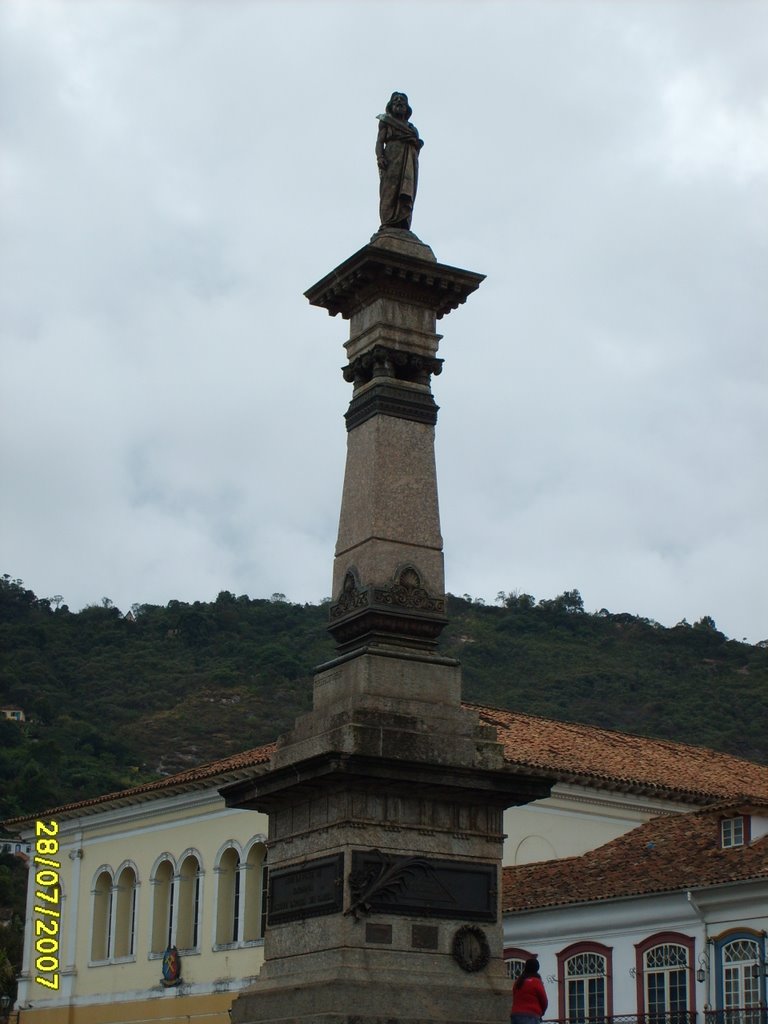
[(363, 997)]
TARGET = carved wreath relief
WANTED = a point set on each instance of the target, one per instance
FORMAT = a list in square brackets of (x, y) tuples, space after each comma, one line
[(470, 948)]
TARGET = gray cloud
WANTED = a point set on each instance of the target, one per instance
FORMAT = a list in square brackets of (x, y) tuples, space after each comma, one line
[(175, 175)]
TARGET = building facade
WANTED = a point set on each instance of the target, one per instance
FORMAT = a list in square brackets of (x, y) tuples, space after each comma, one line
[(666, 923), (159, 867)]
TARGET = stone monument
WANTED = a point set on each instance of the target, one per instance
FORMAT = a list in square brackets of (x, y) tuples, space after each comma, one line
[(385, 801)]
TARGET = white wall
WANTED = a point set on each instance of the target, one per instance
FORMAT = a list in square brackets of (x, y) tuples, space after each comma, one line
[(574, 820), (622, 924)]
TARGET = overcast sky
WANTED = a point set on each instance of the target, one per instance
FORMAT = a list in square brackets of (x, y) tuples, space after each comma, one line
[(174, 175)]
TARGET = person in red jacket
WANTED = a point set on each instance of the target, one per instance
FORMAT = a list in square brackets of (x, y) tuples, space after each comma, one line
[(529, 1000)]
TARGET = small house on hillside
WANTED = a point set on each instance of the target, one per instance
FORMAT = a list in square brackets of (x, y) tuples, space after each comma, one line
[(13, 714)]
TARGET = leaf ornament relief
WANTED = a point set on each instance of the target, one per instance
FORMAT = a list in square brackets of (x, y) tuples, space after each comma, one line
[(384, 880)]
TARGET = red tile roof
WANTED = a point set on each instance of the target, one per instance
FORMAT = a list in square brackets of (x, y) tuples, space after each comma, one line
[(585, 754), (561, 751), (666, 854)]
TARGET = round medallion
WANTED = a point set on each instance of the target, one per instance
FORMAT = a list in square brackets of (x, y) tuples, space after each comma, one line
[(470, 949)]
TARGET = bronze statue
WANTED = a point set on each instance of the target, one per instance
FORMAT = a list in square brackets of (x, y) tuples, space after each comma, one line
[(397, 154)]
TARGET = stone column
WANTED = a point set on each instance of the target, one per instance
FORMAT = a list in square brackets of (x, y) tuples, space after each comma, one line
[(385, 801), (388, 578)]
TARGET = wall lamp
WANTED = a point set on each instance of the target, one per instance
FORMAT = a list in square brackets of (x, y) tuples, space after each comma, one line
[(703, 968), (760, 970)]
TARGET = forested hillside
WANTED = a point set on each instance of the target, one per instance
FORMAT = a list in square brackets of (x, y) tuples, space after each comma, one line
[(114, 699)]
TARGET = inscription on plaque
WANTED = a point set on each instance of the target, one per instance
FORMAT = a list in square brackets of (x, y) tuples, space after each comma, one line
[(381, 933), (422, 886), (306, 890), (424, 936)]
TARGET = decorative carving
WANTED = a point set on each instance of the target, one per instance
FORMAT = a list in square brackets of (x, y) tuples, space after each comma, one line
[(407, 592), (382, 361), (422, 887), (403, 612), (470, 948), (351, 598), (383, 879)]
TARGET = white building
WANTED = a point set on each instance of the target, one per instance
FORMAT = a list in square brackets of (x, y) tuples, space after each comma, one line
[(663, 923)]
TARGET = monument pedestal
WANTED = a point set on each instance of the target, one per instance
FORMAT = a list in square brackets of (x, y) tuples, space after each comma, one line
[(385, 806), (385, 801)]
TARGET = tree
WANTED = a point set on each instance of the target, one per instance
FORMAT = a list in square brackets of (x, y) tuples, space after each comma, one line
[(7, 976), (706, 622)]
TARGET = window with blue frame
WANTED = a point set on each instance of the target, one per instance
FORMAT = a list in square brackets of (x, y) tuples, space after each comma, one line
[(740, 981)]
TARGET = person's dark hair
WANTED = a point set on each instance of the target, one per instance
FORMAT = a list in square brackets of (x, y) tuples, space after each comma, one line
[(407, 104), (530, 970)]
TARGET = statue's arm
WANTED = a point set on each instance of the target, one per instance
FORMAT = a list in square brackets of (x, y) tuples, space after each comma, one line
[(381, 138)]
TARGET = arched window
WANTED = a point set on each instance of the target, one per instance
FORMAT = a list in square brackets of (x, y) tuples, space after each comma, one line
[(254, 906), (163, 909), (740, 981), (188, 927), (667, 979), (228, 912), (125, 913), (514, 961), (101, 932), (585, 993)]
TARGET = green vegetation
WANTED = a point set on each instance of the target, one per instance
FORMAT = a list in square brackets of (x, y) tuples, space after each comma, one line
[(13, 895), (618, 671), (113, 700)]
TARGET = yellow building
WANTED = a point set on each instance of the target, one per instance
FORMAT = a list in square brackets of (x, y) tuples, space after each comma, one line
[(168, 865), (160, 865)]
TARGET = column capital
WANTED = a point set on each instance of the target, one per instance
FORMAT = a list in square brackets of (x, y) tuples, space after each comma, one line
[(381, 270)]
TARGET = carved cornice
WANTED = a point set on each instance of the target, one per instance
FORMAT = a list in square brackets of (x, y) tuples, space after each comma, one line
[(374, 272)]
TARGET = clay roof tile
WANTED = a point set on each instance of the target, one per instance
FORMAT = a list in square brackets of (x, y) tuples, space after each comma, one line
[(666, 854), (564, 751)]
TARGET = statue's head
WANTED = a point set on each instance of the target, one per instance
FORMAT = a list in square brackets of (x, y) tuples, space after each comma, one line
[(398, 105)]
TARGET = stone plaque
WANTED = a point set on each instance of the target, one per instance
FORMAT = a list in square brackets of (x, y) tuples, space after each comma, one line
[(306, 890), (381, 933), (424, 936), (422, 886)]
